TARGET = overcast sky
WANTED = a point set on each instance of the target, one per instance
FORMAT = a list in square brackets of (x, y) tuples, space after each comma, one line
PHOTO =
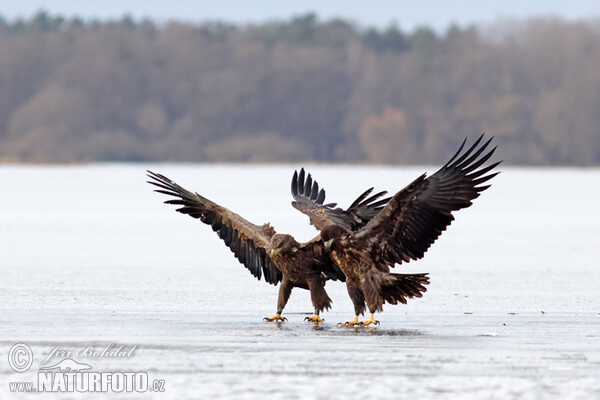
[(438, 14)]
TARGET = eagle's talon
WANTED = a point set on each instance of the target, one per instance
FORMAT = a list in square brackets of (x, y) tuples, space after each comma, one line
[(354, 322), (276, 318), (315, 318), (370, 321)]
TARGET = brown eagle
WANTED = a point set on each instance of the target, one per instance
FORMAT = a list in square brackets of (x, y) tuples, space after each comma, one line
[(406, 227), (279, 258)]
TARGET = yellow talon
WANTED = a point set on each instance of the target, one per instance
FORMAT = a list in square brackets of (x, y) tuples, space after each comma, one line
[(315, 318), (277, 318), (370, 321), (354, 322)]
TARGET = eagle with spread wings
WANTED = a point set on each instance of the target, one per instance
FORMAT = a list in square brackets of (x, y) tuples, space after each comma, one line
[(402, 231), (277, 257)]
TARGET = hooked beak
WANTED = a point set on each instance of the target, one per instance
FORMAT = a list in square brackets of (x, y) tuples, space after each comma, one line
[(328, 243), (276, 251)]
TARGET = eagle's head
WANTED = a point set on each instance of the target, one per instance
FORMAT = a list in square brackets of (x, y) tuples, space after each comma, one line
[(330, 233), (282, 243)]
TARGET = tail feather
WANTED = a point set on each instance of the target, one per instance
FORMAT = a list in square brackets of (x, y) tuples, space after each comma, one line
[(398, 287)]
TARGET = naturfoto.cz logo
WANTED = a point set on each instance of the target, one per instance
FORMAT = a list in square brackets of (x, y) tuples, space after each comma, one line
[(69, 375)]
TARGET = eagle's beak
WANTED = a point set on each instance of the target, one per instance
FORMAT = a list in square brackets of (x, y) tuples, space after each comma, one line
[(276, 251), (328, 243)]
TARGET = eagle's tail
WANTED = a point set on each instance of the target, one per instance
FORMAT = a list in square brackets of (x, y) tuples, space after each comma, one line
[(398, 287)]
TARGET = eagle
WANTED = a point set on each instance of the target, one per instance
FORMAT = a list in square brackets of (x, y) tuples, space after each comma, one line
[(402, 231), (277, 257)]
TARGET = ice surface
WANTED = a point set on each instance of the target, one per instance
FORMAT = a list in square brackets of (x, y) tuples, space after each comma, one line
[(91, 256)]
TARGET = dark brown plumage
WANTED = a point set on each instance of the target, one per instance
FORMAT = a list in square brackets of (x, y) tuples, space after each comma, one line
[(309, 200), (406, 227), (279, 258)]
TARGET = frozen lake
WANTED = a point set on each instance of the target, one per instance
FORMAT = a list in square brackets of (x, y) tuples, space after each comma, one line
[(91, 257)]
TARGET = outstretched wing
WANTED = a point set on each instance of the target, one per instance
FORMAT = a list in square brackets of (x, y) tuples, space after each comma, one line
[(417, 215), (248, 242), (364, 209), (309, 200)]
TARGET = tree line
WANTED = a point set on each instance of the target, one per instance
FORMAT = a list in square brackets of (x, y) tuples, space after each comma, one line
[(302, 89)]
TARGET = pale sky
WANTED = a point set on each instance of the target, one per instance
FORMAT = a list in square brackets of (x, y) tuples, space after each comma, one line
[(438, 14)]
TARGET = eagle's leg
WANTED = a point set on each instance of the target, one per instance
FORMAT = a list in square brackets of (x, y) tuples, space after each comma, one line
[(372, 290), (285, 290), (370, 321), (315, 318), (358, 299), (319, 298)]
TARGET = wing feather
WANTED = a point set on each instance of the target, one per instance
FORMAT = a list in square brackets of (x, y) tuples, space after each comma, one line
[(248, 242), (309, 199), (418, 214)]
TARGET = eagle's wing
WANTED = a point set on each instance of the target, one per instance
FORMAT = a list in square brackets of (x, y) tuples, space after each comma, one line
[(416, 216), (248, 242), (309, 199)]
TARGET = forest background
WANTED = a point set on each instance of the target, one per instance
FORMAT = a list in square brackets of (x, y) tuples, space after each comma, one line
[(301, 89)]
